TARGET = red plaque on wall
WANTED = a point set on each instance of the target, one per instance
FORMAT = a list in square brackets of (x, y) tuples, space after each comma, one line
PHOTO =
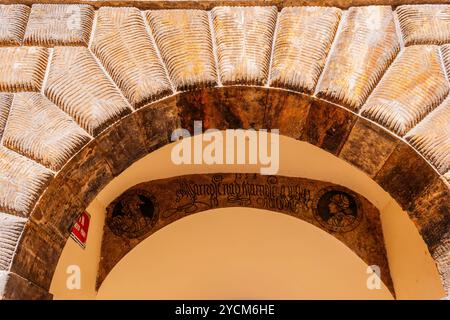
[(80, 229)]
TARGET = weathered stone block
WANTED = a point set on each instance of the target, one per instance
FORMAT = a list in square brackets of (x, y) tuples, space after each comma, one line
[(59, 24), (37, 255), (11, 228), (413, 86), (425, 24), (124, 143), (21, 180), (14, 287), (41, 131), (184, 39), (368, 147), (158, 121), (243, 107), (5, 104), (431, 137), (303, 39), (13, 20), (77, 84), (287, 111), (328, 126), (243, 37), (22, 68), (430, 210), (124, 47), (365, 46), (405, 175)]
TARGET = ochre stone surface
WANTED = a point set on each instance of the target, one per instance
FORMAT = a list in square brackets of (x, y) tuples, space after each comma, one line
[(77, 85), (328, 126), (59, 24), (303, 38), (184, 38), (243, 37), (368, 147), (22, 68), (405, 175), (426, 24), (118, 84), (158, 133), (11, 228), (5, 104), (124, 144), (287, 112), (174, 198), (124, 47), (432, 137), (413, 86), (365, 46), (37, 255), (21, 182), (13, 19), (431, 214), (41, 131)]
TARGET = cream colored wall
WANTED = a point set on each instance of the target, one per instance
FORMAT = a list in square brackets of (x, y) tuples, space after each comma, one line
[(236, 253), (87, 259), (413, 270), (296, 159)]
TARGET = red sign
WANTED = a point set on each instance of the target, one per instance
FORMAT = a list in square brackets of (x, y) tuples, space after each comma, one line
[(80, 229)]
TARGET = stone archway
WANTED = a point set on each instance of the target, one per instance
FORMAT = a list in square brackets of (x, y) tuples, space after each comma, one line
[(86, 100)]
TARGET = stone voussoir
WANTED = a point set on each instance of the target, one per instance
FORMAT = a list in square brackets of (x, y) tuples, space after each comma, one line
[(13, 287), (125, 49), (432, 137), (22, 68), (244, 37), (13, 19), (59, 24), (5, 104), (41, 131), (21, 181), (413, 86), (78, 85), (424, 24), (303, 38), (184, 40), (365, 46), (11, 228)]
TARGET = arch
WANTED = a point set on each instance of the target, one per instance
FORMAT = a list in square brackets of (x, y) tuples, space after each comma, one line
[(386, 114), (168, 200)]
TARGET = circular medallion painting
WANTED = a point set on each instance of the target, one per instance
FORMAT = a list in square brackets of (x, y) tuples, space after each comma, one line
[(337, 210), (133, 214)]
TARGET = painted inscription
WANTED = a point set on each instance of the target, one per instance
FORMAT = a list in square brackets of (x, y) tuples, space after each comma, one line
[(242, 192), (135, 212)]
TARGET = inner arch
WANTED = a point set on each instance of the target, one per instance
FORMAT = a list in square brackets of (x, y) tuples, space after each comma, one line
[(412, 268)]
